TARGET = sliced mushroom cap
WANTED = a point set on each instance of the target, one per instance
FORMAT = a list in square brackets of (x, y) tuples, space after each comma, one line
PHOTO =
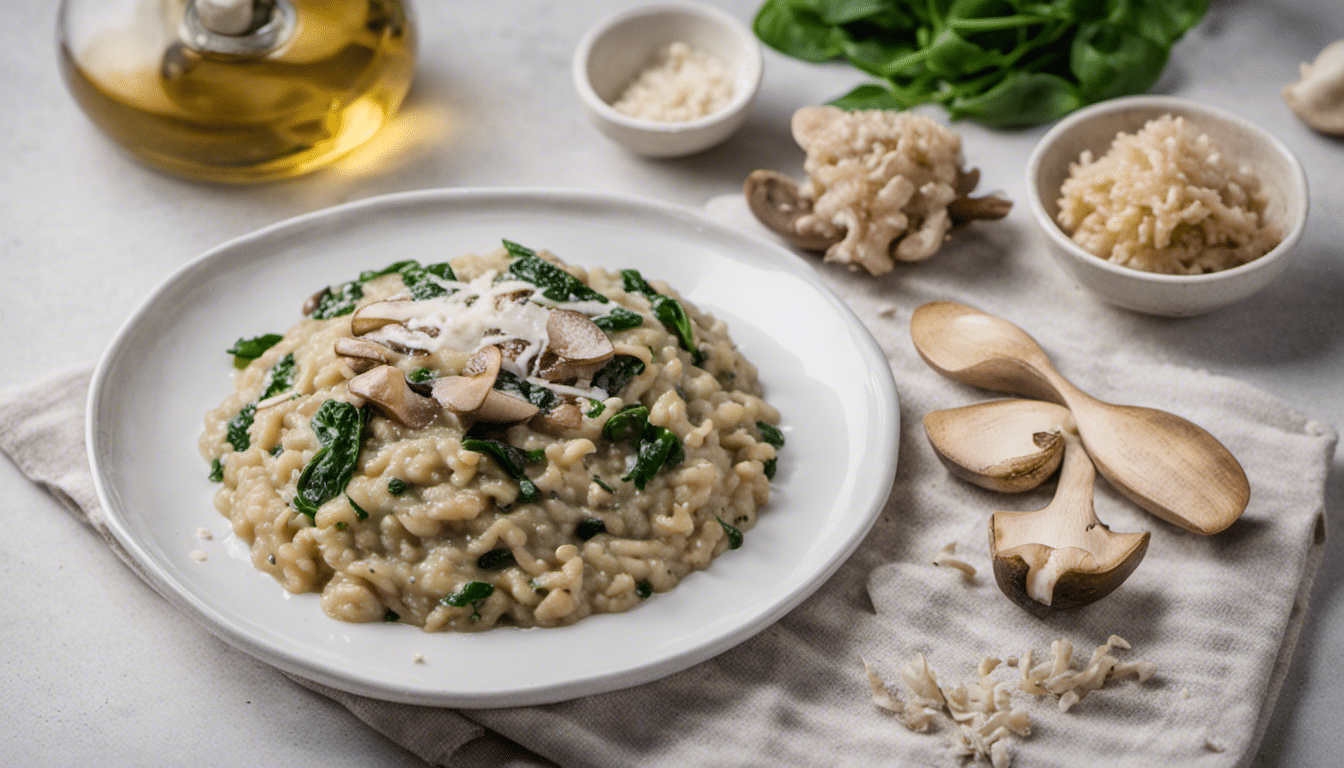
[(1003, 445), (361, 355), (774, 200), (473, 393), (386, 387), (576, 348), (1062, 557), (371, 317), (559, 419)]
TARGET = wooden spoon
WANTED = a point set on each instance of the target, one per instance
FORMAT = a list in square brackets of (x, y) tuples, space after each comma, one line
[(1062, 557), (1162, 462)]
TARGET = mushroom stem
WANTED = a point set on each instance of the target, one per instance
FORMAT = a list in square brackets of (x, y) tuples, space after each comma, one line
[(1003, 445), (1062, 557)]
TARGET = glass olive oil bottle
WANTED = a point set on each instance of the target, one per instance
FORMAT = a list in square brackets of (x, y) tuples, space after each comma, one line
[(284, 88)]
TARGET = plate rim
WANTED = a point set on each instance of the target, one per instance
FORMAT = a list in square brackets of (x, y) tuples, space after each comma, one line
[(180, 596)]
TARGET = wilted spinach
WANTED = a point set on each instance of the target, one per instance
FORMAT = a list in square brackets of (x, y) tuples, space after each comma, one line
[(668, 311), (247, 350), (513, 461), (619, 319), (613, 376), (236, 429), (734, 535), (658, 447), (473, 593), (279, 378), (1003, 63), (589, 527), (342, 299), (545, 399), (338, 427), (496, 559), (555, 283)]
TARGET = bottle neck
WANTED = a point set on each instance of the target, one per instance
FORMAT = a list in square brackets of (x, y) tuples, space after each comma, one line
[(237, 27)]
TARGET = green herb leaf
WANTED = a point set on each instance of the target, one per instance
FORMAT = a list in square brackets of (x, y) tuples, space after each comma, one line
[(596, 410), (545, 399), (619, 319), (338, 427), (237, 427), (338, 300), (643, 588), (391, 616), (734, 535), (496, 559), (555, 283), (360, 514), (626, 424), (421, 375), (512, 460), (245, 350), (798, 31), (279, 378), (667, 309), (658, 447), (216, 471), (770, 434), (427, 282), (602, 485), (277, 449), (589, 527), (396, 486), (390, 269), (473, 593), (613, 376), (540, 590)]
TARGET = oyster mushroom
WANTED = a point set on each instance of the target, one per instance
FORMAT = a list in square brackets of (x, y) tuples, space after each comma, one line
[(576, 348), (1003, 445), (361, 355), (1062, 557), (1318, 98), (561, 418), (371, 317), (474, 393), (386, 387)]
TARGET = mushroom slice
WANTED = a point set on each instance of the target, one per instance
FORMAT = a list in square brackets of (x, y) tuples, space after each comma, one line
[(1003, 445), (561, 418), (386, 387), (576, 347), (774, 200), (371, 317), (1062, 557), (474, 392), (361, 355)]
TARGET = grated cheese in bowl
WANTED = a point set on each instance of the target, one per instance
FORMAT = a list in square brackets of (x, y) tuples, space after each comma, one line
[(684, 84)]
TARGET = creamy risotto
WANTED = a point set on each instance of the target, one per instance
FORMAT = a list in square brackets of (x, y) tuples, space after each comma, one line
[(502, 439)]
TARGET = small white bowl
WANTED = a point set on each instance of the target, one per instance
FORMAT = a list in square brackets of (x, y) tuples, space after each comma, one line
[(611, 54), (1094, 128)]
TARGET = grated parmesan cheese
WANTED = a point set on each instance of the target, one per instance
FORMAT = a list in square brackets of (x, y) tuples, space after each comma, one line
[(684, 84), (199, 556)]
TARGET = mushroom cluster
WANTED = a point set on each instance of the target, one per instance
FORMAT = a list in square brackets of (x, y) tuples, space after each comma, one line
[(574, 349), (882, 187)]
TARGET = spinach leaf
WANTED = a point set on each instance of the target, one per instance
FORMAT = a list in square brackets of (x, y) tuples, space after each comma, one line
[(626, 424), (555, 283), (658, 447), (770, 434), (245, 350), (589, 527), (668, 311), (338, 300), (396, 486), (393, 268), (770, 466), (237, 427), (598, 479), (734, 535), (279, 378), (643, 588), (338, 427), (391, 615), (596, 410), (619, 319), (216, 471), (542, 397), (512, 460), (421, 375), (496, 559), (1004, 63), (473, 593), (360, 513), (613, 376), (422, 282)]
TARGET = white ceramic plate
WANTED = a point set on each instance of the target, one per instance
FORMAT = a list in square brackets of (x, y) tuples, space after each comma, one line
[(818, 365)]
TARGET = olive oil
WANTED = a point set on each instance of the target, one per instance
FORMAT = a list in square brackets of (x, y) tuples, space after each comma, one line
[(339, 75)]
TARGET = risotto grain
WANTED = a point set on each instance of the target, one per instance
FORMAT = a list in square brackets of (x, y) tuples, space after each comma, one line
[(503, 439)]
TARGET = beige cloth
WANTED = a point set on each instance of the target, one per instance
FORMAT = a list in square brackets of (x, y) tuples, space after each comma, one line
[(1218, 615)]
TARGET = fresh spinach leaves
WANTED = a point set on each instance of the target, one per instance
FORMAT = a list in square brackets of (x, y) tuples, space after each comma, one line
[(555, 283), (1003, 63), (279, 378), (658, 447), (668, 311), (420, 281), (619, 319), (473, 594), (338, 427), (613, 376), (512, 460), (237, 427), (734, 535), (247, 350)]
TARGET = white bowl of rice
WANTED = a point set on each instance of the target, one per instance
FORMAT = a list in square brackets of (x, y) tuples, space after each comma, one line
[(1166, 206), (669, 79)]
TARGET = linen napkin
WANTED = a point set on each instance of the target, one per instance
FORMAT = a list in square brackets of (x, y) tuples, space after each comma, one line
[(1218, 615)]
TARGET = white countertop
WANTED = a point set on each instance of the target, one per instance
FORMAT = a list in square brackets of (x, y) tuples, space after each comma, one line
[(98, 670)]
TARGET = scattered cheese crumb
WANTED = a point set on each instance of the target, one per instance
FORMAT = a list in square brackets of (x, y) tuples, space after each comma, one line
[(983, 710), (204, 534), (199, 556), (418, 658), (945, 558), (1185, 693), (1213, 746), (887, 311), (684, 85)]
